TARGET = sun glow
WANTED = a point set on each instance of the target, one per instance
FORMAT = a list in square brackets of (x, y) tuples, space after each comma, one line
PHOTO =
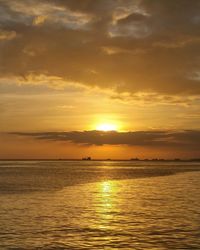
[(106, 127)]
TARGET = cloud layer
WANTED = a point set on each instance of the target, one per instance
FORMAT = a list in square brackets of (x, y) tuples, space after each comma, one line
[(130, 46), (183, 139)]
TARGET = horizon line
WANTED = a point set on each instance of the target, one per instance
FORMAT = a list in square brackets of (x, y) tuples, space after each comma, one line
[(101, 159)]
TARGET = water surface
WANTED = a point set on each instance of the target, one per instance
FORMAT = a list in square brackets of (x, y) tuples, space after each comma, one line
[(99, 205)]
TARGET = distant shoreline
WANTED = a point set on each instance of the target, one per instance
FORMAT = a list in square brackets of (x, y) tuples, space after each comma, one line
[(132, 160)]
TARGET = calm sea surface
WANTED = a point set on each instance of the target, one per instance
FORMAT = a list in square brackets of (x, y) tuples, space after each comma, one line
[(99, 205)]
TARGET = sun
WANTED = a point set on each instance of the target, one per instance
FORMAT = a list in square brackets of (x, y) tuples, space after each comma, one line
[(106, 127)]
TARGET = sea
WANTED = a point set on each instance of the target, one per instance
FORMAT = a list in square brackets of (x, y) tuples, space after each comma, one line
[(57, 205)]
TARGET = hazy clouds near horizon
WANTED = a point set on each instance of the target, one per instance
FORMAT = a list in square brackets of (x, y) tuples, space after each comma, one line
[(181, 139)]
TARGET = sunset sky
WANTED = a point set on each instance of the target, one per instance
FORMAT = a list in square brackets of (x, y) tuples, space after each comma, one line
[(101, 78)]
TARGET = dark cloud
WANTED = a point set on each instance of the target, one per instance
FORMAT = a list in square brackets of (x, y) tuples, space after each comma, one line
[(180, 139), (134, 17), (156, 43)]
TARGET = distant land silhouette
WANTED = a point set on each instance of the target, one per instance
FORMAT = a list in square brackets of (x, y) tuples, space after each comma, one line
[(88, 158)]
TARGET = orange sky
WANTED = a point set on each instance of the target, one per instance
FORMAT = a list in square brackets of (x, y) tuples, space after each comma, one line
[(80, 66)]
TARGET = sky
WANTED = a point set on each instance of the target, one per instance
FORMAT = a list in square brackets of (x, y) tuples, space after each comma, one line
[(102, 78)]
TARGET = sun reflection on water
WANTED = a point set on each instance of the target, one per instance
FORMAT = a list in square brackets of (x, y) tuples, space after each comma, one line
[(106, 203), (106, 187)]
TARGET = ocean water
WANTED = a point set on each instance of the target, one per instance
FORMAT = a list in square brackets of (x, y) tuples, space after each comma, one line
[(99, 205)]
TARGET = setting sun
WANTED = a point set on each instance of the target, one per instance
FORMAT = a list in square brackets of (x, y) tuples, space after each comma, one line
[(106, 127)]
